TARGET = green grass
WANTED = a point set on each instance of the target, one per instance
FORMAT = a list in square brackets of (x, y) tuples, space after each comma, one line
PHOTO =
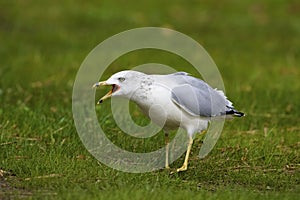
[(254, 44)]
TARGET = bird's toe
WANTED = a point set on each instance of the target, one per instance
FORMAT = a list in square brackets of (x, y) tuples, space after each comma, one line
[(181, 169)]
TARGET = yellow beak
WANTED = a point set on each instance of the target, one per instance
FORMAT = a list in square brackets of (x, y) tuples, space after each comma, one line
[(109, 94)]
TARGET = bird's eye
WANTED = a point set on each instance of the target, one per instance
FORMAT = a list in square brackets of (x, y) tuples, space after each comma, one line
[(121, 79)]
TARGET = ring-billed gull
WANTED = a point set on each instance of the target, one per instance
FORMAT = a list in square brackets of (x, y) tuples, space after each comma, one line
[(172, 101)]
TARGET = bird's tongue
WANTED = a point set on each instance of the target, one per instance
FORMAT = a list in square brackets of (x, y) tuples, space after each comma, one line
[(114, 88)]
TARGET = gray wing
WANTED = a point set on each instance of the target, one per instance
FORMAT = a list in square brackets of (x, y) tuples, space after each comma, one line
[(180, 73), (199, 99)]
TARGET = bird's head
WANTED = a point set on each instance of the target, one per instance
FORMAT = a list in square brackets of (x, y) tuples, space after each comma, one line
[(123, 84)]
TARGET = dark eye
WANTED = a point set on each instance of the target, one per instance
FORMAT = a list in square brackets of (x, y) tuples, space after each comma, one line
[(121, 79)]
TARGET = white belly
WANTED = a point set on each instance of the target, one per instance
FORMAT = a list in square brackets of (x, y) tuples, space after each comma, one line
[(163, 112)]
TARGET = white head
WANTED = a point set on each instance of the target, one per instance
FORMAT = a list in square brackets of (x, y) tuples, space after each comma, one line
[(123, 83)]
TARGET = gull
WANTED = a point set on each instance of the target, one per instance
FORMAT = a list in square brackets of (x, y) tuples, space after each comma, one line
[(172, 101)]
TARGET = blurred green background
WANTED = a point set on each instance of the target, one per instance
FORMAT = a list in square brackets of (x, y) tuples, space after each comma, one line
[(255, 45)]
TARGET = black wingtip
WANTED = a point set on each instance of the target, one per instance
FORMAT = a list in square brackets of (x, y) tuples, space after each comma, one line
[(235, 113), (239, 114)]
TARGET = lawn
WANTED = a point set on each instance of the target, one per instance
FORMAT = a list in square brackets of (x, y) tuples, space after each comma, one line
[(255, 45)]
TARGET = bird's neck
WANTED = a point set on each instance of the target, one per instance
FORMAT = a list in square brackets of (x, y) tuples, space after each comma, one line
[(143, 99)]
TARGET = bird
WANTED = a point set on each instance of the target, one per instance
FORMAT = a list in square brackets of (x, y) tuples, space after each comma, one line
[(172, 101)]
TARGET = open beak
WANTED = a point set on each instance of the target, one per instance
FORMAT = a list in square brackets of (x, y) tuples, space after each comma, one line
[(115, 88)]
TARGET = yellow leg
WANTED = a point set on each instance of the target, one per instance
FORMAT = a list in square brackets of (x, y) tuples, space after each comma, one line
[(167, 150), (185, 164)]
